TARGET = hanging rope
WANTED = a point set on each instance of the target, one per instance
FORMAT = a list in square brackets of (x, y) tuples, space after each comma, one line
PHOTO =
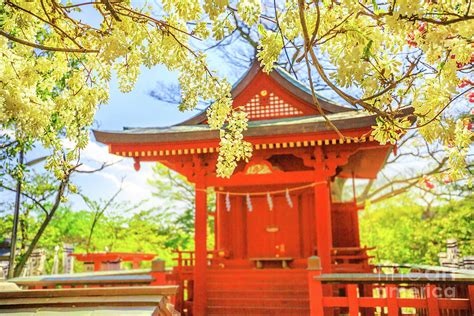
[(269, 192)]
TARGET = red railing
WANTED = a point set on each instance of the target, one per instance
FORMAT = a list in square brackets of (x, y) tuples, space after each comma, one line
[(183, 276), (416, 268), (186, 258), (350, 259), (430, 294)]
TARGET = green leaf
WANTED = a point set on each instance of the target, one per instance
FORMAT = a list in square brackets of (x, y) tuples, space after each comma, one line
[(375, 5), (367, 53)]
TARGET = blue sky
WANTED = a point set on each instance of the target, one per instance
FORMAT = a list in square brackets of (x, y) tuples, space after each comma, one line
[(136, 108)]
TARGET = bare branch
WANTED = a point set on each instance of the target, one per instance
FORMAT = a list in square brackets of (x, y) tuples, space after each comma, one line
[(26, 195), (102, 167)]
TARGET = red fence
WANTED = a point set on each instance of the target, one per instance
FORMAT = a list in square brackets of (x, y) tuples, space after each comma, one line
[(183, 276), (430, 294)]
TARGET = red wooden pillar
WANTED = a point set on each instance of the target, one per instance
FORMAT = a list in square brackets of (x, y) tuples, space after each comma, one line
[(215, 222), (97, 265), (470, 289), (432, 300), (200, 242), (136, 264), (218, 221), (315, 287), (392, 302), (322, 205), (352, 299)]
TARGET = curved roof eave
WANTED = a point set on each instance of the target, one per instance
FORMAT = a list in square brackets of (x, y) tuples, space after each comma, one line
[(286, 126)]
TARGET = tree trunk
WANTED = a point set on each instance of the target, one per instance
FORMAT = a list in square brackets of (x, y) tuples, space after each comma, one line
[(91, 232), (22, 262), (337, 189), (16, 216)]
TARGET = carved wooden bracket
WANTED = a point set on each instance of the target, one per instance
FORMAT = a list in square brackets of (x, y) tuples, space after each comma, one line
[(326, 163)]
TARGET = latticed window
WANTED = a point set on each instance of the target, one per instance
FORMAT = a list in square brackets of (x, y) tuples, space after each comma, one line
[(265, 106)]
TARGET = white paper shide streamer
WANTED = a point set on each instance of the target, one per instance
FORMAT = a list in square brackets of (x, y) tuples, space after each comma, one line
[(270, 201), (288, 198), (249, 203), (227, 201)]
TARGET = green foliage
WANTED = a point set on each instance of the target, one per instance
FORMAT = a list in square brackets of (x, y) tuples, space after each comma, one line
[(121, 228), (176, 195), (148, 231), (405, 232)]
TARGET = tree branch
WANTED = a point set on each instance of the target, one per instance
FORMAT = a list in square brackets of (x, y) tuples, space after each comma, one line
[(47, 48)]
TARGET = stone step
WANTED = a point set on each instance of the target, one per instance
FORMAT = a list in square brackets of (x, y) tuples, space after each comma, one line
[(256, 277), (216, 286), (258, 292), (260, 311), (233, 272), (251, 293), (261, 302)]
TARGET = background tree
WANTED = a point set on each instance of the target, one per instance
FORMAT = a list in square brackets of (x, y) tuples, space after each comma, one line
[(413, 236), (42, 195), (121, 229), (176, 196), (98, 208)]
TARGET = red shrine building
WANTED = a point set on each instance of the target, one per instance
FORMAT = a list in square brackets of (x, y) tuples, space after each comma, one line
[(276, 210)]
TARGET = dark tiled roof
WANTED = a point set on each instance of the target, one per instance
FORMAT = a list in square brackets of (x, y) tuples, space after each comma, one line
[(304, 124)]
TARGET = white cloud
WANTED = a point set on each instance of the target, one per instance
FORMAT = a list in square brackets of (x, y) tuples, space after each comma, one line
[(104, 183)]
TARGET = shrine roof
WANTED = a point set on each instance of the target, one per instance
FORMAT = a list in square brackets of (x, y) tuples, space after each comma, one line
[(282, 126), (276, 103), (284, 80)]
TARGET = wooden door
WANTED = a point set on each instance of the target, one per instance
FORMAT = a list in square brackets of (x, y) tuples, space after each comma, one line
[(260, 243), (287, 243), (273, 233)]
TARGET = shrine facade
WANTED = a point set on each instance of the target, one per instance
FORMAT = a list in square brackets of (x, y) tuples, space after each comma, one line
[(277, 209)]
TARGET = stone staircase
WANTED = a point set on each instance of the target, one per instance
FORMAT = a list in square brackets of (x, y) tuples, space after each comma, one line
[(257, 292)]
